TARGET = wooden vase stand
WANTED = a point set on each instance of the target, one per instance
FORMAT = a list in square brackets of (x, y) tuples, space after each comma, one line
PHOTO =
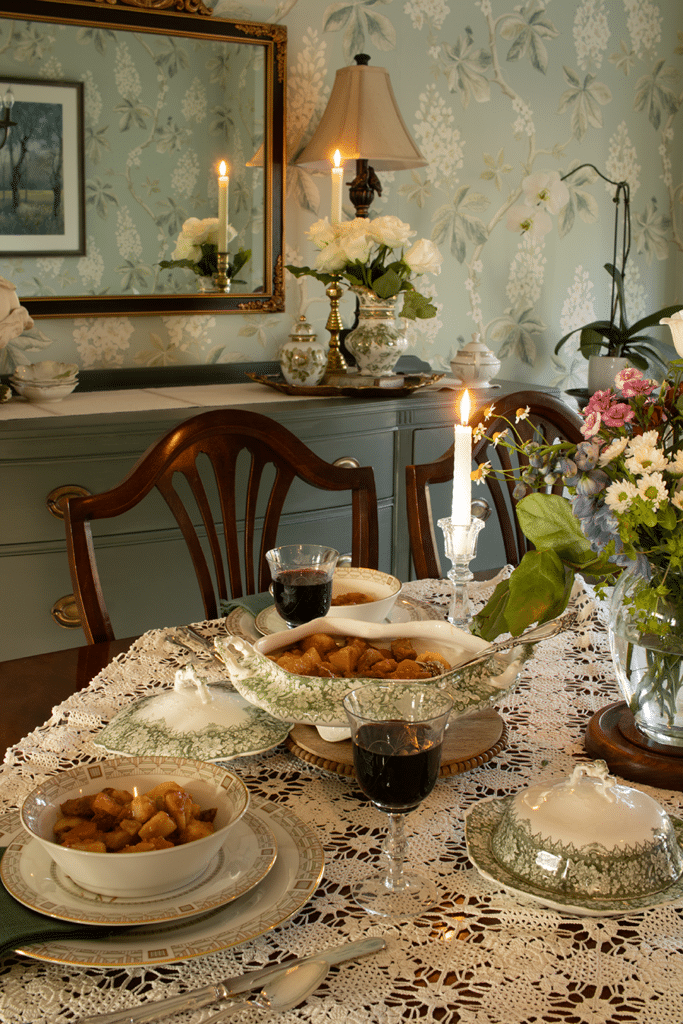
[(612, 735), (469, 742)]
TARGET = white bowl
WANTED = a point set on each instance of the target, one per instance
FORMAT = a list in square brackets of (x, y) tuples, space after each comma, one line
[(35, 391), (381, 588), (587, 837), (46, 372), (136, 874)]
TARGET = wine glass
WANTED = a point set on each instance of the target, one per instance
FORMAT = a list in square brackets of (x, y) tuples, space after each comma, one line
[(397, 732)]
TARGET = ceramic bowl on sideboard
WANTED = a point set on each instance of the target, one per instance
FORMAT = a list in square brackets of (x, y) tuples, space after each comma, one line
[(49, 371), (35, 391), (378, 590), (147, 873)]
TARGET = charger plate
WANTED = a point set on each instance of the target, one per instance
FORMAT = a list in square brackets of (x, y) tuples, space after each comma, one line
[(481, 822), (30, 875), (406, 609), (285, 889), (357, 386)]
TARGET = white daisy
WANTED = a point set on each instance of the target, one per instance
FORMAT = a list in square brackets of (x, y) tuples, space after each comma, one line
[(653, 489), (619, 495), (647, 460), (613, 451), (676, 464)]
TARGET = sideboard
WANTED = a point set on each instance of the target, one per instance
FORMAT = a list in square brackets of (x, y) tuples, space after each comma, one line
[(90, 441)]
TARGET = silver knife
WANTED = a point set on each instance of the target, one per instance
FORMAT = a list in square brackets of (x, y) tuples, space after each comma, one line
[(232, 986)]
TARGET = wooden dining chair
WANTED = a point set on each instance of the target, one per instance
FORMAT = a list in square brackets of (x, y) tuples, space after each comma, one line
[(551, 418), (195, 468)]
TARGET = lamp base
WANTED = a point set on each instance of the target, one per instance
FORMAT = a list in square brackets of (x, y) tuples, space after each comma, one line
[(363, 187)]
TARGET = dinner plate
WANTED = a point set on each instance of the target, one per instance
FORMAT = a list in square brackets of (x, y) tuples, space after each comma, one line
[(183, 724), (285, 889), (481, 821), (406, 609), (32, 877)]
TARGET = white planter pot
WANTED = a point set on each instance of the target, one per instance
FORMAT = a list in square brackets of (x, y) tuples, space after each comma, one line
[(602, 370)]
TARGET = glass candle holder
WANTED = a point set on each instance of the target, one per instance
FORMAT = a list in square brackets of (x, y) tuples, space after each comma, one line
[(461, 547)]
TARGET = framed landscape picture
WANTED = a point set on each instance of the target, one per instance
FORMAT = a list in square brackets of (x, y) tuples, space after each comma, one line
[(42, 191)]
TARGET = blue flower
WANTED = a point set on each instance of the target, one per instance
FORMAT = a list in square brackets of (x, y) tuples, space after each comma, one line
[(586, 457)]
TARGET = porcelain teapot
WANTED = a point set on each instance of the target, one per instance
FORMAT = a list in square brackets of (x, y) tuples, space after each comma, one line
[(475, 364)]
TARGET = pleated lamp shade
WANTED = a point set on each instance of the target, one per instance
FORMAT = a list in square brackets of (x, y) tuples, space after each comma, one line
[(363, 122)]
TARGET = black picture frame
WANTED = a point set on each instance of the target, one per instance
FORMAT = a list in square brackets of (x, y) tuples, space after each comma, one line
[(42, 191)]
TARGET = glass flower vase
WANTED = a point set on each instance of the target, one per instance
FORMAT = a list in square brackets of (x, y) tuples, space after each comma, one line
[(378, 341), (646, 640)]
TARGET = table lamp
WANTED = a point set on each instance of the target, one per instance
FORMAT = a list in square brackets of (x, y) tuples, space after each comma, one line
[(363, 122)]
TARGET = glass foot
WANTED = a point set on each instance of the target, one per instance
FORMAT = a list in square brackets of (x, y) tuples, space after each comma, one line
[(413, 897)]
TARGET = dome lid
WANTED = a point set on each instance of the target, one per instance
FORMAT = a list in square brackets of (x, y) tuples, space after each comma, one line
[(302, 331)]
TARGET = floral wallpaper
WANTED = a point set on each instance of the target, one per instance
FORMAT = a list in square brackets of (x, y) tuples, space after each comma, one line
[(504, 100)]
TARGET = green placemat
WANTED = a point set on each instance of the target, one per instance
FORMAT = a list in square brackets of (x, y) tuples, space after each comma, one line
[(253, 603), (20, 926)]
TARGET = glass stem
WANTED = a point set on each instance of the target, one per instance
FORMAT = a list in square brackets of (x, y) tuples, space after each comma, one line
[(395, 852)]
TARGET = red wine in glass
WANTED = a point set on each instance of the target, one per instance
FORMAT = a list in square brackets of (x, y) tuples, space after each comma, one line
[(398, 769), (302, 594)]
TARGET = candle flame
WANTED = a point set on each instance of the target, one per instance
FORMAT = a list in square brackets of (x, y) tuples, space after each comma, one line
[(465, 408), (337, 158), (222, 169)]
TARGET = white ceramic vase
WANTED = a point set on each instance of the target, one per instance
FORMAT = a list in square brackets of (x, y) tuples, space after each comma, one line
[(303, 359)]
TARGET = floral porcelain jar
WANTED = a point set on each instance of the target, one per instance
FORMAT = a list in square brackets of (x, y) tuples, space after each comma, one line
[(303, 359), (378, 341), (475, 363)]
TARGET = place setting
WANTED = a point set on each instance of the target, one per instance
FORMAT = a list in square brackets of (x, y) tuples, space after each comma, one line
[(75, 905)]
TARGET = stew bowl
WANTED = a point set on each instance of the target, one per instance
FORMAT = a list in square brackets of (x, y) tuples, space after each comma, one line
[(146, 873)]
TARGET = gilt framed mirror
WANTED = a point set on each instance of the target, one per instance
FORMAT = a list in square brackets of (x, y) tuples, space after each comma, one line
[(169, 91)]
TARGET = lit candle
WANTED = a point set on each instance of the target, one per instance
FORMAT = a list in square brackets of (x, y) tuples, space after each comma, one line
[(461, 511), (337, 183), (223, 182)]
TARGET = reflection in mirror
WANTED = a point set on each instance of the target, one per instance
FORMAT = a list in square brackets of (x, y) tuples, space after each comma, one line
[(167, 97)]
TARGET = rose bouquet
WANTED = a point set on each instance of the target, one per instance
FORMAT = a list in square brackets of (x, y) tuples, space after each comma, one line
[(620, 520), (197, 249), (371, 254)]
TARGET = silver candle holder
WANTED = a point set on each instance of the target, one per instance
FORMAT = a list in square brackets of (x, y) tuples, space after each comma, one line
[(461, 548)]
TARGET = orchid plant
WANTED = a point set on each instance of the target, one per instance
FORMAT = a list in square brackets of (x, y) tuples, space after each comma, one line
[(197, 249), (371, 254)]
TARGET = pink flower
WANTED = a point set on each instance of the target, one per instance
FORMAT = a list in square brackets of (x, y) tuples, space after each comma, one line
[(591, 424), (630, 373), (632, 388), (600, 401), (617, 415)]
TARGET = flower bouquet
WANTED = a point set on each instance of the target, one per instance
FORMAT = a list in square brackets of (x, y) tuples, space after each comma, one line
[(197, 249), (369, 254), (621, 522)]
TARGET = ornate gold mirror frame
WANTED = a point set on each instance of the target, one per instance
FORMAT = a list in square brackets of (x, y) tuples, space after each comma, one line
[(191, 21)]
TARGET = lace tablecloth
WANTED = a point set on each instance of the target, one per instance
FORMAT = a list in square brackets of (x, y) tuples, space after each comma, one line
[(481, 957)]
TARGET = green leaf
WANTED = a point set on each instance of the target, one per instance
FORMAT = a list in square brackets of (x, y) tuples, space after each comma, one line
[(387, 285), (417, 306), (547, 520), (490, 622), (539, 592)]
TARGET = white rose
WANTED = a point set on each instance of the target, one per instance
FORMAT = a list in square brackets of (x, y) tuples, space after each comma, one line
[(390, 231), (330, 260), (321, 233), (358, 248), (424, 257)]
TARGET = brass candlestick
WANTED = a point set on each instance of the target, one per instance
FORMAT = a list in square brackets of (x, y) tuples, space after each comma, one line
[(335, 360), (221, 279)]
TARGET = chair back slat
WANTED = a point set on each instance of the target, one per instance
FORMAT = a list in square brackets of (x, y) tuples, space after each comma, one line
[(202, 453)]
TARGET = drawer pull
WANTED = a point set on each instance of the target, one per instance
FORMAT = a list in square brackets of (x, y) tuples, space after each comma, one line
[(65, 612), (56, 499), (347, 462)]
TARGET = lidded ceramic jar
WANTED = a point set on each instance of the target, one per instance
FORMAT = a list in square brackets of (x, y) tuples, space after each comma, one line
[(587, 836), (303, 359), (475, 363)]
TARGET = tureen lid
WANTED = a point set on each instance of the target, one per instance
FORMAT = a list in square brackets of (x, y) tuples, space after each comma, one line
[(302, 331), (590, 807), (476, 351)]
